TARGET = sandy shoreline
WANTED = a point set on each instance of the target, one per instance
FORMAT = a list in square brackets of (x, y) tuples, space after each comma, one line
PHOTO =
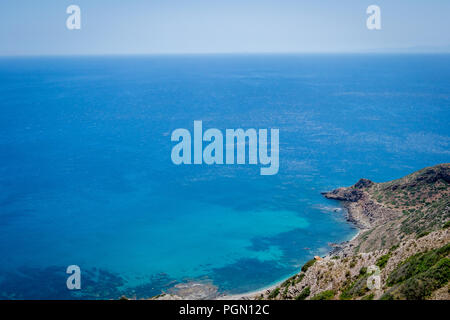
[(208, 291)]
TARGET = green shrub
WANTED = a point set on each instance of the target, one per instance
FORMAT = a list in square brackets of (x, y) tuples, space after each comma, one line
[(274, 293), (307, 265), (325, 295), (421, 286), (356, 289), (345, 296), (421, 274), (387, 296), (285, 292), (304, 294), (423, 234), (299, 278), (383, 260), (286, 283), (362, 271), (368, 297), (417, 264)]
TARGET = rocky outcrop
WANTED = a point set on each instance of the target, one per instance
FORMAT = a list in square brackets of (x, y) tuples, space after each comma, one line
[(344, 194), (433, 174), (362, 210), (363, 183)]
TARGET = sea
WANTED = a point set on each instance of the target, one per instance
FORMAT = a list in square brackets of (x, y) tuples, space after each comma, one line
[(86, 176)]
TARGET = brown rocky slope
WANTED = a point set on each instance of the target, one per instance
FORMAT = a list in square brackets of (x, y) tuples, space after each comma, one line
[(404, 243)]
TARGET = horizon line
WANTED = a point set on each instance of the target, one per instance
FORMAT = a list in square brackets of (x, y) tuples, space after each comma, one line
[(225, 53)]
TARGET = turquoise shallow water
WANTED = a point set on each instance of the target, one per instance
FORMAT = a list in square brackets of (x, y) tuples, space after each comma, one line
[(87, 179)]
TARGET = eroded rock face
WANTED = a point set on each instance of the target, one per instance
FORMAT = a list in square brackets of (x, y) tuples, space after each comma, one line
[(433, 174), (350, 194), (363, 183), (366, 213), (344, 194), (361, 209)]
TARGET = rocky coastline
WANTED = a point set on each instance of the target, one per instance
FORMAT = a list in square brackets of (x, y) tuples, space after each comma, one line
[(401, 222)]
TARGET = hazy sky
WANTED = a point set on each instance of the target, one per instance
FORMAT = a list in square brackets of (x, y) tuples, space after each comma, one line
[(36, 27)]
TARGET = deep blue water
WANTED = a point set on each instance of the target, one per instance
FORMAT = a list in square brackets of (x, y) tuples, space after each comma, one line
[(86, 176)]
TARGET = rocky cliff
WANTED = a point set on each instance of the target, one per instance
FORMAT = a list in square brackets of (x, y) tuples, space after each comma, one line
[(404, 244)]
